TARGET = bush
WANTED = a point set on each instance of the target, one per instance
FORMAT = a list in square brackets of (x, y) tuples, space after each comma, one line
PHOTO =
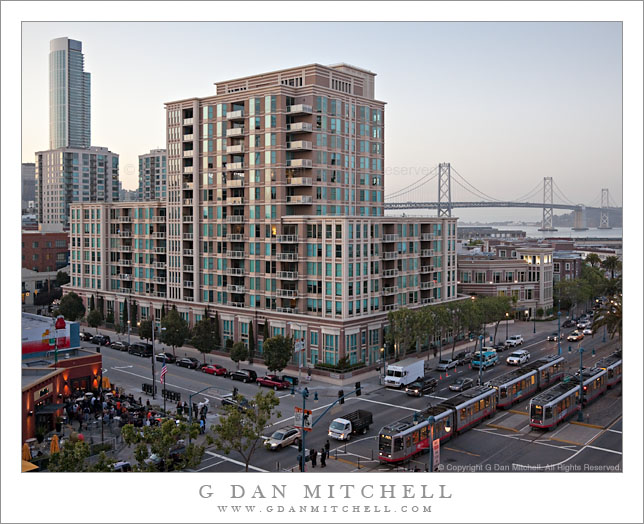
[(340, 368)]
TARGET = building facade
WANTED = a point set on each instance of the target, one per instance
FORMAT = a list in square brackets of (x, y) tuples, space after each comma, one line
[(566, 266), (28, 180), (274, 215), (153, 178), (69, 175), (69, 95), (43, 251), (525, 274)]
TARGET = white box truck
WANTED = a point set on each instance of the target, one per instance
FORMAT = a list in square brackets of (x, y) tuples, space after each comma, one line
[(404, 372)]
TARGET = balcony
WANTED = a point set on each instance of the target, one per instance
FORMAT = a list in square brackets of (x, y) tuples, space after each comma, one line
[(235, 115), (428, 300), (427, 285), (188, 252), (287, 239), (299, 127), (299, 199), (127, 290), (125, 262), (188, 121), (158, 234), (390, 238), (301, 181), (287, 257), (427, 253), (235, 254), (237, 271), (390, 307), (300, 162), (125, 276), (188, 283), (236, 289), (390, 273), (302, 145), (426, 236), (299, 109), (188, 170), (235, 219), (234, 166), (159, 280), (235, 201), (287, 293), (235, 131), (390, 255), (189, 299), (188, 218), (235, 238), (391, 290), (125, 249), (287, 275), (125, 234), (158, 218), (236, 182), (286, 310), (188, 138), (236, 149), (238, 304), (160, 265), (426, 269), (160, 294), (187, 201), (188, 154), (189, 267), (125, 219), (159, 250), (187, 236)]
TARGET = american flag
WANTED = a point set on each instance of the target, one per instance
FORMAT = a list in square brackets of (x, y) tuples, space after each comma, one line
[(164, 370)]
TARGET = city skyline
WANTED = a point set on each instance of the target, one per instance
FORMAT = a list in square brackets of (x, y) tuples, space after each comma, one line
[(559, 83)]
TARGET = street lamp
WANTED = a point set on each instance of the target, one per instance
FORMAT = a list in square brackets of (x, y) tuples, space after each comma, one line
[(481, 359), (507, 319), (559, 332), (580, 417), (534, 322), (384, 362), (305, 394), (128, 332), (431, 420)]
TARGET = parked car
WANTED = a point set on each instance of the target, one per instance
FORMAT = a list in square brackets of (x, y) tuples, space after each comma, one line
[(290, 379), (499, 347), (240, 402), (463, 357), (514, 340), (568, 323), (461, 384), (121, 346), (421, 387), (121, 466), (141, 349), (575, 336), (587, 331), (101, 340), (86, 337), (518, 357), (245, 375), (444, 365), (553, 337), (215, 369), (188, 362), (282, 438), (168, 357), (273, 381), (583, 324)]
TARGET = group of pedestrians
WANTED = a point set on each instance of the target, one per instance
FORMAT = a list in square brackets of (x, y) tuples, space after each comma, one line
[(313, 456)]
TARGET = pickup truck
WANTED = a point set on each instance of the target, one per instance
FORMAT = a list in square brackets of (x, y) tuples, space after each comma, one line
[(350, 424), (514, 340)]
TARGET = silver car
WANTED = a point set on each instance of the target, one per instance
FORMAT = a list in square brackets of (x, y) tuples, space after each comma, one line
[(282, 438)]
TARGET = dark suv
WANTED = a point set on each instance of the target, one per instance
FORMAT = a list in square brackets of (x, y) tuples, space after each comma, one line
[(245, 375), (101, 340), (188, 362), (421, 387), (463, 357), (141, 349)]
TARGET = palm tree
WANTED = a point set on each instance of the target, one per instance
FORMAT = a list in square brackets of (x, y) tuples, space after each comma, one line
[(593, 259), (612, 264), (611, 317)]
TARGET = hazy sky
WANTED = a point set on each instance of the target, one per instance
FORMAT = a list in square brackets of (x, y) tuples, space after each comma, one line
[(505, 103)]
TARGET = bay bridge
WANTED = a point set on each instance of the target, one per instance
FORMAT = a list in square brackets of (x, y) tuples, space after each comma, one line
[(402, 199)]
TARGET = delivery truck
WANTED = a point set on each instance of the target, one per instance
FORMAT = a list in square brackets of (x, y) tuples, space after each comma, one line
[(404, 372), (354, 423)]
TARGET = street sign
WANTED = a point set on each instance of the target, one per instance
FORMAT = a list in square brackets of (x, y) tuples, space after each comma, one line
[(299, 346), (436, 445), (303, 419)]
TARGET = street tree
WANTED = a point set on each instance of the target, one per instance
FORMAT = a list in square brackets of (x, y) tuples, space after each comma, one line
[(251, 342), (610, 316), (203, 336), (498, 307), (92, 305), (216, 333), (593, 259), (167, 443), (62, 278), (71, 307), (124, 317), (241, 430), (74, 457), (176, 330), (238, 352), (442, 323), (403, 329), (94, 319), (278, 352), (145, 329), (611, 264)]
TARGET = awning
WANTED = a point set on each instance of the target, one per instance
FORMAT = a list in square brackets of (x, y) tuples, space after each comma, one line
[(48, 409)]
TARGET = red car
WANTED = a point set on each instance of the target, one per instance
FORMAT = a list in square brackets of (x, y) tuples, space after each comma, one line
[(214, 369), (273, 381)]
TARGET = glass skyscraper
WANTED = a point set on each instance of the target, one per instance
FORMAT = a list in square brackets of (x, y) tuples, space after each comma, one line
[(69, 95)]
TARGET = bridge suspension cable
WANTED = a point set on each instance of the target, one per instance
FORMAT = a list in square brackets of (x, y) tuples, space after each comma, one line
[(480, 193), (533, 192), (561, 194), (413, 186)]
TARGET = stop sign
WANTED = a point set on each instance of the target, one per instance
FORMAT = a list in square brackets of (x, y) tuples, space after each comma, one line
[(60, 323)]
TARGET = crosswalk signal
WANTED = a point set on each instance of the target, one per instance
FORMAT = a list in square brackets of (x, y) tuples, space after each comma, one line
[(358, 389), (341, 396)]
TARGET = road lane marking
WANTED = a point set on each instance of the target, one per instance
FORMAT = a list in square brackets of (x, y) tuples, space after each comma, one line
[(605, 449), (461, 451), (210, 465), (613, 431), (383, 403), (228, 459)]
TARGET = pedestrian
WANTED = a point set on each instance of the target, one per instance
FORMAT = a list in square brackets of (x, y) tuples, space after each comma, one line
[(313, 454), (179, 408), (323, 458), (327, 446), (299, 463), (202, 426), (147, 403), (308, 375)]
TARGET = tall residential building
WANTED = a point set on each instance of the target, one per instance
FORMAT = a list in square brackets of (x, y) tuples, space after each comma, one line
[(274, 215), (153, 175), (69, 175), (69, 95), (28, 179)]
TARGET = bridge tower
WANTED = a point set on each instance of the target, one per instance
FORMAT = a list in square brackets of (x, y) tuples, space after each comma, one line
[(546, 224), (580, 219), (444, 190), (603, 218)]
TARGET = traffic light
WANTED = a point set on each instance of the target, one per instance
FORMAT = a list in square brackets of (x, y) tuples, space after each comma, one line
[(358, 390), (341, 396)]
